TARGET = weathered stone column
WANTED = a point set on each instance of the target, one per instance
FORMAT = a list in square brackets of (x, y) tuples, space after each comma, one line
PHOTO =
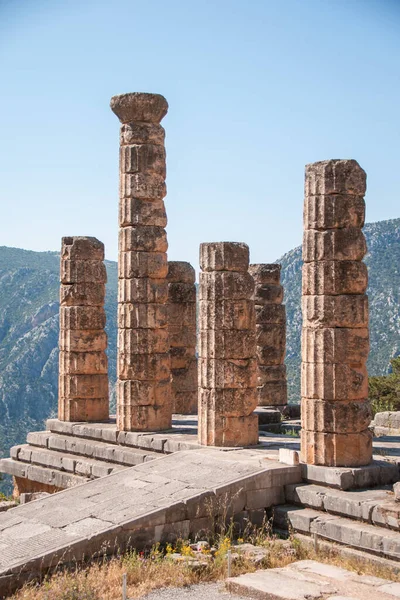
[(335, 342), (144, 387), (182, 336), (270, 335), (83, 378), (227, 347)]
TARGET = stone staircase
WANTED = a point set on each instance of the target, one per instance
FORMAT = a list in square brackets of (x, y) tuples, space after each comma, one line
[(67, 454), (365, 519)]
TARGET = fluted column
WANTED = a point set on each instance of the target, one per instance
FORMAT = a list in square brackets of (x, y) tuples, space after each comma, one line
[(144, 387), (83, 378), (182, 336), (335, 342), (227, 347)]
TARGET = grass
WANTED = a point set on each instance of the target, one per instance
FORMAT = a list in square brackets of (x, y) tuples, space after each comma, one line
[(159, 569)]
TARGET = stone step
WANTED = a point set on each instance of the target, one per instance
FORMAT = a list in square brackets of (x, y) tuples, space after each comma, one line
[(61, 461), (362, 536), (91, 448), (43, 475), (312, 580), (376, 506)]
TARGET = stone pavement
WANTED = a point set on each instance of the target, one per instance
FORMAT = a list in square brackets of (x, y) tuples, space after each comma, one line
[(311, 580), (177, 495)]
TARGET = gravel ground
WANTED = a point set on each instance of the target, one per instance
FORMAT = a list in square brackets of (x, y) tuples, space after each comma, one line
[(203, 591)]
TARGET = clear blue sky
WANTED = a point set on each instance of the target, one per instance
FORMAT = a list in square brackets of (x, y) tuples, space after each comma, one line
[(256, 88)]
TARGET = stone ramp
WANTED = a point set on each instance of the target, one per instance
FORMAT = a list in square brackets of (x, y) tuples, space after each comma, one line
[(311, 580), (177, 495)]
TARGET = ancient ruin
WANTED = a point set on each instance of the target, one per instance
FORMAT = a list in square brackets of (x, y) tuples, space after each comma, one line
[(227, 347), (83, 378), (270, 335), (144, 401), (335, 341), (182, 336)]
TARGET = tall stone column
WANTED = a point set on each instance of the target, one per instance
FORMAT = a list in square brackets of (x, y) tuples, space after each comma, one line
[(335, 342), (83, 378), (144, 387), (182, 336), (227, 347), (271, 335)]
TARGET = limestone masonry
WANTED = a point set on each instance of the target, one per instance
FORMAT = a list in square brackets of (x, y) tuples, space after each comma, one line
[(182, 336), (83, 378), (144, 401), (270, 335), (335, 339), (227, 347)]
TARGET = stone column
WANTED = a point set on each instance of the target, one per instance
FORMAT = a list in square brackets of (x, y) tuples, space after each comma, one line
[(144, 387), (270, 335), (182, 336), (83, 378), (227, 347), (335, 342)]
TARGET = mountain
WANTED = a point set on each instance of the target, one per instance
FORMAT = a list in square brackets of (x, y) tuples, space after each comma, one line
[(29, 326), (383, 261)]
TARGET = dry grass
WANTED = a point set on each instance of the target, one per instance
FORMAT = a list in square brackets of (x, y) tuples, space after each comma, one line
[(157, 569)]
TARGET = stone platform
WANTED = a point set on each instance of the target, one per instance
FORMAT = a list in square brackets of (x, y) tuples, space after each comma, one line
[(184, 494)]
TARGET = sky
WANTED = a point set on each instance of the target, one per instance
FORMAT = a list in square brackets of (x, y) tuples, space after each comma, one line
[(256, 90)]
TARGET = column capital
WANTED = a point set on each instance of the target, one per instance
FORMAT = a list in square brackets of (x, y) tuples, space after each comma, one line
[(139, 106)]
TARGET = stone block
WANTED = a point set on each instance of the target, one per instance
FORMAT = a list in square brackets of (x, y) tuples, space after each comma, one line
[(272, 354), (334, 278), (335, 311), (143, 290), (144, 393), (143, 341), (224, 285), (185, 337), (143, 418), (229, 431), (140, 238), (182, 357), (134, 211), (396, 490), (139, 106), (228, 402), (336, 449), (179, 293), (180, 272), (142, 315), (335, 177), (389, 419), (265, 273), (329, 381), (151, 265), (288, 456), (181, 316), (334, 244), (81, 363), (226, 314), (82, 294), (268, 294), (234, 374), (335, 417), (142, 133), (82, 317), (143, 186), (224, 256), (267, 416), (83, 409), (185, 380), (225, 343), (185, 403), (82, 271), (143, 158), (271, 313), (81, 248), (271, 335), (271, 374), (144, 367), (83, 386), (272, 394), (333, 212), (78, 340), (335, 345)]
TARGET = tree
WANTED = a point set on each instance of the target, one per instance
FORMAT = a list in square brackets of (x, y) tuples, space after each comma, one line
[(384, 392)]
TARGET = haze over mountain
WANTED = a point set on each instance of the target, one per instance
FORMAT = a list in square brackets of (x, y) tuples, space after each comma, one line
[(29, 326)]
